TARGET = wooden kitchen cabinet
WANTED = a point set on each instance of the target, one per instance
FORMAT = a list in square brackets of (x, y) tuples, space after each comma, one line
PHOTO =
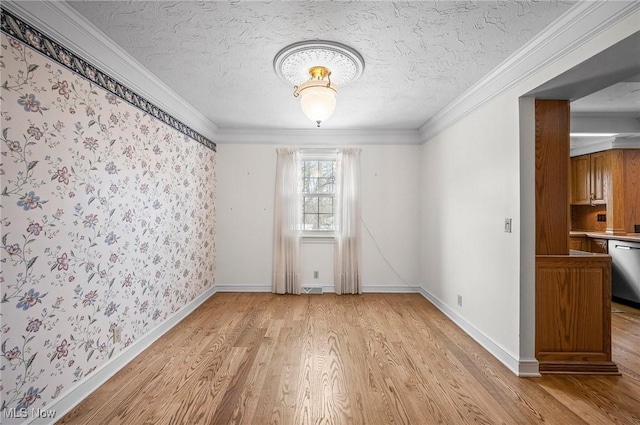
[(623, 191), (578, 243), (588, 176), (599, 246), (599, 170), (580, 180), (573, 314)]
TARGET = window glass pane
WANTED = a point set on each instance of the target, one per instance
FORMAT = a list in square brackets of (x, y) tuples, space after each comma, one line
[(318, 177), (326, 168), (326, 205), (310, 222), (325, 185), (325, 221), (310, 204), (309, 185), (312, 168)]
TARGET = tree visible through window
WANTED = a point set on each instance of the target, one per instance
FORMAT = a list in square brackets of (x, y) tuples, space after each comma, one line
[(318, 194)]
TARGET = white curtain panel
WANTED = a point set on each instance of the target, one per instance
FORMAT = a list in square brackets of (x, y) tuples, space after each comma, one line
[(347, 223), (286, 230)]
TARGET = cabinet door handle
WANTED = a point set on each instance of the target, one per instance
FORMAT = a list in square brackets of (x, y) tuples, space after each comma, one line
[(626, 247)]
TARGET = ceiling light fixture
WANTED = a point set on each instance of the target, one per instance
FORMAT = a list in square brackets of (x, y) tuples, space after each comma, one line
[(325, 65)]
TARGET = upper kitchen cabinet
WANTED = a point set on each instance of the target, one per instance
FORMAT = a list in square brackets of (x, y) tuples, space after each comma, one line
[(610, 178), (623, 190), (588, 176)]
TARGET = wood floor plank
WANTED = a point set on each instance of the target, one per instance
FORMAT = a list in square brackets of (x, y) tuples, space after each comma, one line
[(275, 369), (245, 407), (371, 359)]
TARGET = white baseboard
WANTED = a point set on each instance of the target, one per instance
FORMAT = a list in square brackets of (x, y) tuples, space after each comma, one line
[(72, 397), (529, 368), (370, 289), (397, 289), (522, 368), (243, 288), (260, 288)]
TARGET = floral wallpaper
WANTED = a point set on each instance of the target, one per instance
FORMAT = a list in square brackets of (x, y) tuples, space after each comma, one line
[(108, 224)]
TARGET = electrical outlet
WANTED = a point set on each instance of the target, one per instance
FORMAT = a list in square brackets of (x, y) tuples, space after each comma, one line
[(601, 217), (117, 335), (507, 225), (460, 300), (316, 274)]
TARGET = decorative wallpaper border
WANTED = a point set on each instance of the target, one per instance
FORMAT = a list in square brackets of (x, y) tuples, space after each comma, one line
[(14, 27)]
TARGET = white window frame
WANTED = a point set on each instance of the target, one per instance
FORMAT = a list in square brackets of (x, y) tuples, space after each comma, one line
[(317, 236)]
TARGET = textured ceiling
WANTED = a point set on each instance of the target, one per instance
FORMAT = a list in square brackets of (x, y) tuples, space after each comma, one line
[(419, 55)]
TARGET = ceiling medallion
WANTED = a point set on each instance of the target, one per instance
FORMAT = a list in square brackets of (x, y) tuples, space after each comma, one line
[(316, 69)]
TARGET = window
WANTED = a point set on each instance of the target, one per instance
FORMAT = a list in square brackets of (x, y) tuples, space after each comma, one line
[(318, 194)]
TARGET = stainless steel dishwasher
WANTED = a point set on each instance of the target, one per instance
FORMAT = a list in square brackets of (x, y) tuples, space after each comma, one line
[(625, 270)]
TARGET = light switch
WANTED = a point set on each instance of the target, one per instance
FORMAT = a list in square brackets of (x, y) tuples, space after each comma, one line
[(507, 225)]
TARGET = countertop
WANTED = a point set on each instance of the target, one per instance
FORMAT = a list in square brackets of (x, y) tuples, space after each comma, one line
[(629, 237), (576, 253)]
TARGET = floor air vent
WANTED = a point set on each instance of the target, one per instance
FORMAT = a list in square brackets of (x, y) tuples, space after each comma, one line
[(312, 290)]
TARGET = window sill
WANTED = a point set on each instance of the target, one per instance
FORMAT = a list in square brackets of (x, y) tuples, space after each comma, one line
[(328, 237)]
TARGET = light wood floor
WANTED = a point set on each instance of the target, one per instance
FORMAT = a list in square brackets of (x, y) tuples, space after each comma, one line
[(370, 359)]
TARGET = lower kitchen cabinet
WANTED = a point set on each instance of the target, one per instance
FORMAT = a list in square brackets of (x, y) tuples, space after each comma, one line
[(599, 246), (573, 314), (578, 243)]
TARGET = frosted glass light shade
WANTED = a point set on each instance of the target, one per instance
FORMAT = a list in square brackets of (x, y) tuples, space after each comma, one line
[(318, 100)]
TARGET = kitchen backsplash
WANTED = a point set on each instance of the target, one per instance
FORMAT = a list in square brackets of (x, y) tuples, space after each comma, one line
[(585, 217)]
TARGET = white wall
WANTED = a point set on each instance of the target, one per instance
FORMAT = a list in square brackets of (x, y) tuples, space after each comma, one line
[(469, 186), (476, 173), (390, 209), (245, 214), (391, 212)]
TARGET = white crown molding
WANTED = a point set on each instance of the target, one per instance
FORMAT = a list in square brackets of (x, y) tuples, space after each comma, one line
[(583, 149), (605, 144), (65, 25), (581, 23), (627, 142), (317, 137)]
